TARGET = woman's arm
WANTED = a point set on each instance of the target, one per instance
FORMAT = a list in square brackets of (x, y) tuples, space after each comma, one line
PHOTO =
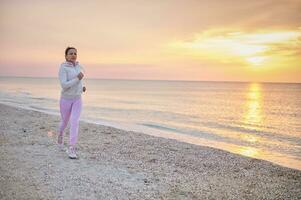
[(64, 81)]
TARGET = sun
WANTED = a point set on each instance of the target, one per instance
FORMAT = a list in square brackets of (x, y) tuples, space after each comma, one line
[(254, 49), (256, 60)]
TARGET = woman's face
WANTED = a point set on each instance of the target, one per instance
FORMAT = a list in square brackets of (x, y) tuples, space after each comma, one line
[(71, 55)]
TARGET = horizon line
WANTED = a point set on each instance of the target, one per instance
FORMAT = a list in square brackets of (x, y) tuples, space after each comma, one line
[(172, 80)]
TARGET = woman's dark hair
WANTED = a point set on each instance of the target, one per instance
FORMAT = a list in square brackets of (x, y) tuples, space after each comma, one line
[(68, 48)]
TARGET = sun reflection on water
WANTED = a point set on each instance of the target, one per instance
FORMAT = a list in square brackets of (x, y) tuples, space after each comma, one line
[(253, 115), (248, 151), (250, 138), (252, 120)]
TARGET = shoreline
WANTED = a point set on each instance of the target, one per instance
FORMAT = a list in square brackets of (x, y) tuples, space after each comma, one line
[(118, 164), (274, 157)]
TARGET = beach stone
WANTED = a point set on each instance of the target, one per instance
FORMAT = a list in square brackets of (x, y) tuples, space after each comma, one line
[(130, 165)]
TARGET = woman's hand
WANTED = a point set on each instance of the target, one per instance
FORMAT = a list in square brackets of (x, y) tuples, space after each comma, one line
[(80, 76), (84, 89)]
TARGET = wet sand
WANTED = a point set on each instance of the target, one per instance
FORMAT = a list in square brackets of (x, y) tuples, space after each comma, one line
[(118, 164)]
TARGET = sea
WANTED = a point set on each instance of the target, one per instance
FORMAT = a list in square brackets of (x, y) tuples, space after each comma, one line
[(258, 120)]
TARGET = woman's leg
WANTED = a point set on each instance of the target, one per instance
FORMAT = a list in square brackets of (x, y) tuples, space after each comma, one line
[(65, 109), (74, 121)]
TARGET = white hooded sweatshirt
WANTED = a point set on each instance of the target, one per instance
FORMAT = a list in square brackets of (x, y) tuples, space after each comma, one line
[(72, 87)]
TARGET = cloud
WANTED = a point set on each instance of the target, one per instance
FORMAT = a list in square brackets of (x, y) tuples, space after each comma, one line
[(291, 48), (239, 46)]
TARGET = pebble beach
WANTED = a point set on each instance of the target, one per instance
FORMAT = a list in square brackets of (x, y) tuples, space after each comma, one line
[(118, 164)]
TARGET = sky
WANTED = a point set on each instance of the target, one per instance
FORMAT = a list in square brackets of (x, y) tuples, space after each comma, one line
[(198, 40)]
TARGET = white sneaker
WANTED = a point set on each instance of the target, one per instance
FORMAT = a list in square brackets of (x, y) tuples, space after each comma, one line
[(72, 153)]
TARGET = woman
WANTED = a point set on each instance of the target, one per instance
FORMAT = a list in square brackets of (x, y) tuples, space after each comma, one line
[(70, 76)]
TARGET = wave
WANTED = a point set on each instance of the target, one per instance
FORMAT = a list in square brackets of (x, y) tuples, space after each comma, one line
[(39, 98), (262, 133), (43, 109), (215, 134), (161, 127), (25, 93), (11, 101), (185, 131)]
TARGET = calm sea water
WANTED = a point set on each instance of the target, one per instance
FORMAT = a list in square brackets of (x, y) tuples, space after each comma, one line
[(261, 120)]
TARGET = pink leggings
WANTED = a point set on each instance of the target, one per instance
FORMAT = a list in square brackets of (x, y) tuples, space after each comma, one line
[(70, 108)]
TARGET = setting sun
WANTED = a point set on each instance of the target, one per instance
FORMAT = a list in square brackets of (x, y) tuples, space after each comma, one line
[(256, 61), (247, 49)]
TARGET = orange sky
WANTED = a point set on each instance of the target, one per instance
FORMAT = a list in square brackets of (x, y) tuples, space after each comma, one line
[(216, 40)]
